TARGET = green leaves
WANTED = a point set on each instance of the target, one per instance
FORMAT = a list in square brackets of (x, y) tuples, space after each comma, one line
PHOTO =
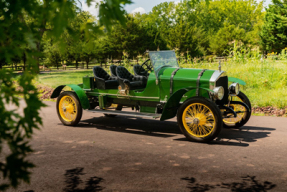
[(274, 35), (23, 27), (111, 11), (17, 128)]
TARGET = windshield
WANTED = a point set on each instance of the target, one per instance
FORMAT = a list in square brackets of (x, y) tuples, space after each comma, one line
[(163, 58)]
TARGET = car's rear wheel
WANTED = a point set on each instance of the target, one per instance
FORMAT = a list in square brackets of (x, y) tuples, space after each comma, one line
[(199, 119), (243, 114), (69, 108)]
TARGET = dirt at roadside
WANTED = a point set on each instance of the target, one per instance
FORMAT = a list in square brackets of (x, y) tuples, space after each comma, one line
[(45, 92), (270, 111)]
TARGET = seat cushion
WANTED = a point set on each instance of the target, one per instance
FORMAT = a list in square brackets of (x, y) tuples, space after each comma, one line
[(112, 84), (123, 73), (137, 85), (100, 73)]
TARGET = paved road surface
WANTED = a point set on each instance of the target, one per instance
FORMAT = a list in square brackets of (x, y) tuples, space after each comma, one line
[(130, 154)]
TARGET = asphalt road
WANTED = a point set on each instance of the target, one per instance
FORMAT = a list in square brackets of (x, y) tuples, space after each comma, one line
[(133, 154)]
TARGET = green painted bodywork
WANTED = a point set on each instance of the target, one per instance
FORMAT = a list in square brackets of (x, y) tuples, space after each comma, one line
[(170, 108), (184, 87), (236, 80), (184, 78), (79, 92)]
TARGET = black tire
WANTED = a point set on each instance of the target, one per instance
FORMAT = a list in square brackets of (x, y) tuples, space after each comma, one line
[(210, 115), (118, 108), (245, 117), (69, 108)]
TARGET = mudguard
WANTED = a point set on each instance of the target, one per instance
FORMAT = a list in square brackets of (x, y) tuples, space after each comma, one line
[(78, 90), (170, 108), (236, 80)]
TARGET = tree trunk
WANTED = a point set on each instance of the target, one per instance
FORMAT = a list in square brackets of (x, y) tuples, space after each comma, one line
[(77, 64), (0, 65), (37, 67), (87, 62), (24, 61)]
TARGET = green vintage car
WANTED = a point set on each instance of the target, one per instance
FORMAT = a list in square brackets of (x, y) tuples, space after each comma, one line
[(204, 101)]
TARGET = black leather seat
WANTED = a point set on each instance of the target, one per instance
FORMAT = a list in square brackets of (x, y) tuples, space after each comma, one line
[(104, 80), (139, 71), (126, 78), (113, 70)]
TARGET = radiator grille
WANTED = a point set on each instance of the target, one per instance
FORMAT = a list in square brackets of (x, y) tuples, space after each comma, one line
[(223, 81)]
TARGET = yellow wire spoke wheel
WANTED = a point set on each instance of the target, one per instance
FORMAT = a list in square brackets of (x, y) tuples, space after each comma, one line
[(243, 114), (236, 108), (199, 119), (68, 108)]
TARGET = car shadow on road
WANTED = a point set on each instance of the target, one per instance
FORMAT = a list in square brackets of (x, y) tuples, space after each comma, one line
[(233, 137), (247, 183), (73, 182), (242, 136), (133, 125), (239, 137)]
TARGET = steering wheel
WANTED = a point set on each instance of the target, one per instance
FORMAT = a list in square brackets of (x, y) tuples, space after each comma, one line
[(146, 66)]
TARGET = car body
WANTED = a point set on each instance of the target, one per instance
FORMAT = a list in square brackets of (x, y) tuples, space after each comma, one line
[(201, 99)]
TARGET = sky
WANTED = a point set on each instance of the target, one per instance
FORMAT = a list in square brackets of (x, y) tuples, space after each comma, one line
[(142, 6)]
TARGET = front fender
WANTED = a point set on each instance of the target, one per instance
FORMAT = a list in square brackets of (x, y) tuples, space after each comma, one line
[(170, 108), (236, 80), (79, 92)]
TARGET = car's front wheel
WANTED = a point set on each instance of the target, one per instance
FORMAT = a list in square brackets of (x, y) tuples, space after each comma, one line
[(199, 119), (69, 108), (243, 114)]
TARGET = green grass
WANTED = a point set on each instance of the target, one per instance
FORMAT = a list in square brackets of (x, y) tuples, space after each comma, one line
[(266, 81), (54, 79)]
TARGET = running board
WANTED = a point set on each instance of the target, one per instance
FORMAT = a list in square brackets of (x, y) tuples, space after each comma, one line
[(127, 113)]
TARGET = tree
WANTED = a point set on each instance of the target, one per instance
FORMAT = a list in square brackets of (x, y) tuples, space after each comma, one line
[(17, 129), (84, 47), (52, 53), (187, 38), (132, 38), (223, 15), (274, 31), (88, 52), (221, 43), (193, 24)]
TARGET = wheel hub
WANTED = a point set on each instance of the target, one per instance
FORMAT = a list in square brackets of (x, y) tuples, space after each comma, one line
[(69, 108), (196, 121)]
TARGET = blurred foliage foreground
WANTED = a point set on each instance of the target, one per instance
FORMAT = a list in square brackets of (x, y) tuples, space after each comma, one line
[(22, 27)]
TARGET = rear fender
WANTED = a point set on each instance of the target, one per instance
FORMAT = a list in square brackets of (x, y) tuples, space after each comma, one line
[(79, 92), (170, 108)]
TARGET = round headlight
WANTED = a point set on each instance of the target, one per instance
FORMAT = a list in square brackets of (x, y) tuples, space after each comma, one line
[(218, 93), (234, 89)]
